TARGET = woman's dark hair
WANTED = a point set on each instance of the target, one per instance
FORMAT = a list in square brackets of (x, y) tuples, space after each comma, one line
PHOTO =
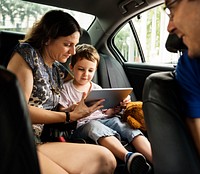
[(52, 25)]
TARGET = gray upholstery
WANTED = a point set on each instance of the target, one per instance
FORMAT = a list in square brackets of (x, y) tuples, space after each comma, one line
[(112, 75), (85, 37)]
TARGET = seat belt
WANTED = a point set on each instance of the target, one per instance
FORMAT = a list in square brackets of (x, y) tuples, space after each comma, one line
[(110, 72)]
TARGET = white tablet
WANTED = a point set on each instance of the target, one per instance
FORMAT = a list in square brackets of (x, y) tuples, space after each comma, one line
[(112, 96)]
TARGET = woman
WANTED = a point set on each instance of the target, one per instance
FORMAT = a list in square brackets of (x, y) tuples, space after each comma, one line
[(52, 40)]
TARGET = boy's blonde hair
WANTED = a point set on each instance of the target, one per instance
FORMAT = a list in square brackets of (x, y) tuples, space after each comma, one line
[(85, 51)]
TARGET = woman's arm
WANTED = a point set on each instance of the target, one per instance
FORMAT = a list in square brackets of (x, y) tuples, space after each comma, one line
[(20, 68)]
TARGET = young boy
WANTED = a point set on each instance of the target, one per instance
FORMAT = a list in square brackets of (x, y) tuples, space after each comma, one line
[(104, 127)]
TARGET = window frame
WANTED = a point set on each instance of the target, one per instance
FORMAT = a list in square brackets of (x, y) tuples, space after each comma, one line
[(116, 52)]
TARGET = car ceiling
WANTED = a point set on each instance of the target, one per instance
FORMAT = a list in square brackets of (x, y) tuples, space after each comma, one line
[(108, 10), (110, 13)]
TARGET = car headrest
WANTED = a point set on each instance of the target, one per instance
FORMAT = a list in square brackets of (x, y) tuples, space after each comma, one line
[(8, 40), (85, 37), (175, 44)]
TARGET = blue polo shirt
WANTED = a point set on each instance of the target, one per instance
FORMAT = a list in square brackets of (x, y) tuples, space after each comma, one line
[(188, 77)]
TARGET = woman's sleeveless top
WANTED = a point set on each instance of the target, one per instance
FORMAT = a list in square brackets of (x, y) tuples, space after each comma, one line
[(46, 85)]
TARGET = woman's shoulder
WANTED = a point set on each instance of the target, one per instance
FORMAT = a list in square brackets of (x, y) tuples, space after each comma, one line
[(24, 47), (28, 53)]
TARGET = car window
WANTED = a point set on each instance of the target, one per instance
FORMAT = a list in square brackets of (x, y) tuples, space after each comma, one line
[(17, 15), (143, 38)]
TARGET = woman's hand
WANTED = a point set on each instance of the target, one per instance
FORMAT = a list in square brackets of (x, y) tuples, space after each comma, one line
[(82, 110)]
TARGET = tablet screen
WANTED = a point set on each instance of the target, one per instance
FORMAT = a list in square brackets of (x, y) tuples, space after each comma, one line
[(112, 96)]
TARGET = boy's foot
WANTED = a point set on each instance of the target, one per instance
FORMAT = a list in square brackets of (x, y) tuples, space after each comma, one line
[(137, 164)]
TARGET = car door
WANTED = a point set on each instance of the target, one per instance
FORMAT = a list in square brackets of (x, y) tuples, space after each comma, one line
[(139, 45)]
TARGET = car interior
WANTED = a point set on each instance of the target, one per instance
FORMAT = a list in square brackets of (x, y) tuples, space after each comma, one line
[(125, 61)]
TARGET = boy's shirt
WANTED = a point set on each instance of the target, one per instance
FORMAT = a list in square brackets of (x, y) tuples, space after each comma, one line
[(70, 95)]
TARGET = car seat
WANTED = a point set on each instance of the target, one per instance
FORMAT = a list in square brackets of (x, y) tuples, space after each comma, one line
[(173, 149), (8, 40), (18, 151)]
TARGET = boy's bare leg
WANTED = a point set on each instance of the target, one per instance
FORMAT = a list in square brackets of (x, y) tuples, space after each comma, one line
[(143, 146)]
